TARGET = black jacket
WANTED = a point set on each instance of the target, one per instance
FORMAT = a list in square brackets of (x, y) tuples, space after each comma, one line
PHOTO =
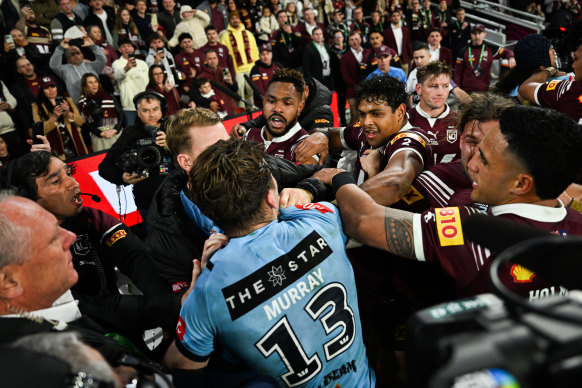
[(174, 240), (316, 114), (94, 20), (110, 168), (312, 65)]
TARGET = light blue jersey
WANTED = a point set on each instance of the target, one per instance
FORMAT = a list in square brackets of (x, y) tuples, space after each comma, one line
[(283, 301), (393, 72)]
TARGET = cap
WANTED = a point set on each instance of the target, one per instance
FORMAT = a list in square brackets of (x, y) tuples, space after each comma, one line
[(47, 81), (185, 8), (478, 27), (265, 47), (533, 51), (384, 50)]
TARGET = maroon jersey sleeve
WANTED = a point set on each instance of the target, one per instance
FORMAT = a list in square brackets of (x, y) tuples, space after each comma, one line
[(564, 96), (351, 137), (410, 140)]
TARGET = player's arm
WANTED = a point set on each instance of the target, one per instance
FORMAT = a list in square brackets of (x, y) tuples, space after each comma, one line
[(527, 89), (394, 181), (319, 143), (174, 359), (368, 222)]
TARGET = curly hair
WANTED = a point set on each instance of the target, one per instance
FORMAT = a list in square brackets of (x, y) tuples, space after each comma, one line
[(433, 69), (547, 142), (382, 89), (178, 126), (229, 182), (290, 76)]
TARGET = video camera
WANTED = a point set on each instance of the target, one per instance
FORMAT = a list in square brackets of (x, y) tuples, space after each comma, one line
[(503, 340), (146, 155)]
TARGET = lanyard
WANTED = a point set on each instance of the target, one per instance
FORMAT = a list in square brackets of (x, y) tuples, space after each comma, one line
[(443, 16), (458, 25), (480, 57), (381, 28), (429, 15), (320, 51)]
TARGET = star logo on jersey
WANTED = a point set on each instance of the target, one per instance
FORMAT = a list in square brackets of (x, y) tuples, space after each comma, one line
[(277, 275), (452, 135), (412, 196), (521, 274)]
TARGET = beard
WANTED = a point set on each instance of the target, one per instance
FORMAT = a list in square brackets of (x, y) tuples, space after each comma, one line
[(287, 128)]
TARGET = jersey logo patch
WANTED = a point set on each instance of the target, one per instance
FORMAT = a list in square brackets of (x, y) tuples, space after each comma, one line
[(552, 85), (82, 245), (317, 121), (181, 329), (452, 135), (448, 223), (315, 206), (409, 135), (178, 286), (116, 237), (580, 99), (412, 196), (521, 274)]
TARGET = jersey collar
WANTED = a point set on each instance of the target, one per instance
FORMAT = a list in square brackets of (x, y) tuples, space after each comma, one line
[(532, 212), (427, 116), (296, 128)]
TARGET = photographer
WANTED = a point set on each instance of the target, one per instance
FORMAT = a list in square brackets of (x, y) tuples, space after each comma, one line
[(151, 107)]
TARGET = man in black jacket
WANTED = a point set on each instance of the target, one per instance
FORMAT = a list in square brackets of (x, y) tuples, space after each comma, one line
[(318, 60), (151, 107), (178, 228), (102, 16)]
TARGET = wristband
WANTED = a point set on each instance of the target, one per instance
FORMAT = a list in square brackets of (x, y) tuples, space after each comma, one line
[(341, 179), (453, 84)]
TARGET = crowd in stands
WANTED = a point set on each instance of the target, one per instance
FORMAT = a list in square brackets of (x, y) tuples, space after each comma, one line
[(428, 136)]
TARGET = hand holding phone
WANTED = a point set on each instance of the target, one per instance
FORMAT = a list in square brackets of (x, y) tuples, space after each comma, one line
[(37, 129)]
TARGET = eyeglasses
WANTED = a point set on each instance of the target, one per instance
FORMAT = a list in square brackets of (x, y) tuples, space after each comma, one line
[(75, 53)]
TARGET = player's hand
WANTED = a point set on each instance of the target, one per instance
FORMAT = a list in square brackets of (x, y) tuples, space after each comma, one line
[(315, 144), (326, 174), (237, 131), (161, 139), (132, 179), (292, 196), (511, 62), (45, 146), (370, 162)]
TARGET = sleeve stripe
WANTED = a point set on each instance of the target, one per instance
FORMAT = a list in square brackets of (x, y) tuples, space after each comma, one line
[(417, 236), (342, 139), (108, 231), (189, 355), (536, 94), (408, 149)]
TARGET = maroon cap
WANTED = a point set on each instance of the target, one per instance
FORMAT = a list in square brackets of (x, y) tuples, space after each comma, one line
[(478, 27), (384, 50), (265, 47), (47, 81)]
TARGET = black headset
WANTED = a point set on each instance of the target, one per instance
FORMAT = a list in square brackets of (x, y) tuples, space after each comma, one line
[(148, 94)]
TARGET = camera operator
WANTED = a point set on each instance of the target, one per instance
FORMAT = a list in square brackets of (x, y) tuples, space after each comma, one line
[(151, 107)]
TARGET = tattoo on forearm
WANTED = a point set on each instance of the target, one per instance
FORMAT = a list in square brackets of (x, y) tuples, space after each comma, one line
[(399, 235)]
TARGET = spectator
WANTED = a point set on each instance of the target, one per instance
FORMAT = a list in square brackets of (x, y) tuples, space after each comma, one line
[(209, 99), (61, 120), (473, 67), (131, 75), (151, 107), (291, 11), (336, 23), (45, 11), (359, 25), (80, 9), (211, 70), (443, 19), (103, 17), (224, 58), (245, 18), (255, 176), (125, 28), (10, 136), (142, 20), (159, 82), (189, 62), (20, 49), (159, 55), (414, 21), (353, 64), (339, 47), (193, 23), (287, 43), (376, 24), (267, 24), (243, 48), (107, 77), (429, 16), (76, 66), (217, 12), (306, 28), (398, 39), (420, 57), (317, 60), (169, 17), (102, 115), (459, 33), (254, 9), (437, 51), (5, 154), (384, 55), (262, 71), (64, 20), (36, 34)]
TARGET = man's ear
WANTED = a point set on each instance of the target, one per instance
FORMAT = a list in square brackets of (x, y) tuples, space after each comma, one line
[(9, 288), (401, 112), (185, 161), (301, 106), (524, 184), (272, 201)]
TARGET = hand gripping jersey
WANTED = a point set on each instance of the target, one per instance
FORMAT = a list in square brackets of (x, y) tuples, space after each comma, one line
[(563, 96), (438, 238), (407, 139), (282, 300)]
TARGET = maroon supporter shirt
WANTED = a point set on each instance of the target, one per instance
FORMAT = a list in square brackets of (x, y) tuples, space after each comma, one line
[(563, 96), (282, 146), (438, 238), (407, 139), (473, 72), (441, 132)]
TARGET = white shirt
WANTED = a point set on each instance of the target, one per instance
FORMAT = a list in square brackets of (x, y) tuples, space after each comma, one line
[(397, 31), (359, 55), (434, 54), (324, 59), (103, 17)]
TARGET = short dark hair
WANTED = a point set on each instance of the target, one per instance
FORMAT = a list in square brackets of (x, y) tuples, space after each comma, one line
[(210, 50), (421, 46), (280, 11), (433, 69), (353, 32), (547, 142), (25, 171), (184, 35), (229, 182), (485, 106), (210, 27), (382, 89), (290, 76)]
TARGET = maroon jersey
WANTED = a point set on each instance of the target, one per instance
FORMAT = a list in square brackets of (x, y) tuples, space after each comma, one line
[(563, 96), (261, 75), (438, 238), (224, 58), (407, 139), (441, 132), (40, 37), (282, 146), (185, 63), (473, 72)]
